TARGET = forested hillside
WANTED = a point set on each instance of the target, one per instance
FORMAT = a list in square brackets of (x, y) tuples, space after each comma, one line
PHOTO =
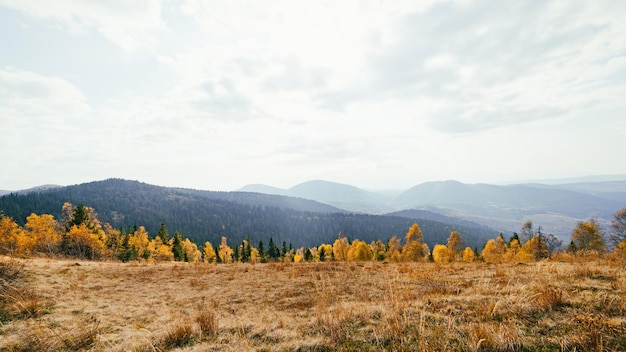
[(202, 215)]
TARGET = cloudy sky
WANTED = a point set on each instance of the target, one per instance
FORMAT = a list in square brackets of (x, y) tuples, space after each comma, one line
[(378, 94)]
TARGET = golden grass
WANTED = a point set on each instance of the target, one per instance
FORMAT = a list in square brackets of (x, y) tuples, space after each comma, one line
[(330, 306)]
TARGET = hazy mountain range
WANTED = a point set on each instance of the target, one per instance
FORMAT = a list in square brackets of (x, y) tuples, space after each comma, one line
[(556, 207), (480, 209), (207, 215)]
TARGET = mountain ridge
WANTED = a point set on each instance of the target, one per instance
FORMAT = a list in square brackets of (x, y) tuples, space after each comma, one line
[(207, 216)]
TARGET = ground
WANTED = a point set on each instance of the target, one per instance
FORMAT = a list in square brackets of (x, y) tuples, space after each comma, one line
[(348, 306)]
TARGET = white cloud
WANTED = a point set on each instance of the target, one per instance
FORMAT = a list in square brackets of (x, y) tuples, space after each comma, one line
[(129, 24), (281, 92)]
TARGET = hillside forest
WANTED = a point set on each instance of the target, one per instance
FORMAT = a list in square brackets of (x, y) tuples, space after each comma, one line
[(81, 234)]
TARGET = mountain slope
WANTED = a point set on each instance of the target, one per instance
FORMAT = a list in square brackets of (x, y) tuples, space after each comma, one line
[(340, 195), (204, 215), (556, 208)]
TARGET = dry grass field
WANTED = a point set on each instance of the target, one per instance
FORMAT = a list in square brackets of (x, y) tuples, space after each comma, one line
[(108, 306)]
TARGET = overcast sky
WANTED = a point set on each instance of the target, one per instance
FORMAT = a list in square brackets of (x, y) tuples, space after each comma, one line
[(378, 94)]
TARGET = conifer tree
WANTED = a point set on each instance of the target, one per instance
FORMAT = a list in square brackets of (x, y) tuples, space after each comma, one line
[(262, 253), (163, 233), (273, 251), (177, 247)]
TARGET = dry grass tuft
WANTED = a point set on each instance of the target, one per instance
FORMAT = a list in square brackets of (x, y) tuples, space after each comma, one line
[(207, 322), (549, 298), (180, 334), (82, 336), (17, 299)]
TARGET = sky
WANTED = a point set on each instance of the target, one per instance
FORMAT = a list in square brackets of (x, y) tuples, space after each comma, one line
[(216, 95)]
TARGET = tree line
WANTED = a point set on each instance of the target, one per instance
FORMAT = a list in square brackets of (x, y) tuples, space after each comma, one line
[(80, 234)]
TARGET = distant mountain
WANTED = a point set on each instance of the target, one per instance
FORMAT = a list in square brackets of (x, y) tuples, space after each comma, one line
[(557, 208), (206, 216), (342, 196), (30, 190)]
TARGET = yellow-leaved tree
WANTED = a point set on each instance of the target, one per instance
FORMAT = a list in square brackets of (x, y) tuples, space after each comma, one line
[(85, 243), (468, 255), (533, 250), (42, 229), (512, 252), (139, 241), (587, 237), (379, 251), (359, 251), (161, 251), (209, 253), (341, 247), (494, 250), (394, 249), (84, 237), (225, 252), (455, 245), (13, 239), (414, 249), (191, 252), (442, 254)]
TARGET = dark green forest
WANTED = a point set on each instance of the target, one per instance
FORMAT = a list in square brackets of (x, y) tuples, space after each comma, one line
[(207, 216)]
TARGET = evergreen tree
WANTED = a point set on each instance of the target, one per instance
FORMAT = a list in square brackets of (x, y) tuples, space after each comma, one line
[(177, 247), (163, 233), (285, 250), (246, 250), (217, 251), (308, 256), (236, 254), (273, 251), (262, 252), (322, 254)]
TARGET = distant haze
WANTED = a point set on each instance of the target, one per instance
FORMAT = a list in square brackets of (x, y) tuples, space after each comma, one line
[(381, 95)]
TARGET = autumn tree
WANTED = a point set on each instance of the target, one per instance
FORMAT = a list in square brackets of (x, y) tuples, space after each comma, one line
[(527, 232), (533, 250), (42, 229), (455, 244), (618, 228), (225, 252), (209, 253), (468, 255), (84, 237), (161, 251), (414, 249), (341, 247), (114, 240), (394, 249), (359, 251), (442, 254), (494, 250), (379, 250), (588, 237), (513, 250), (13, 239), (191, 254), (83, 242), (139, 242)]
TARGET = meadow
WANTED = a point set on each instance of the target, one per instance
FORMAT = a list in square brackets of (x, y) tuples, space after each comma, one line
[(55, 304)]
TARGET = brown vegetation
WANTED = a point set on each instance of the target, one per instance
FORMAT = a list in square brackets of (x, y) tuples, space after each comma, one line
[(566, 305)]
